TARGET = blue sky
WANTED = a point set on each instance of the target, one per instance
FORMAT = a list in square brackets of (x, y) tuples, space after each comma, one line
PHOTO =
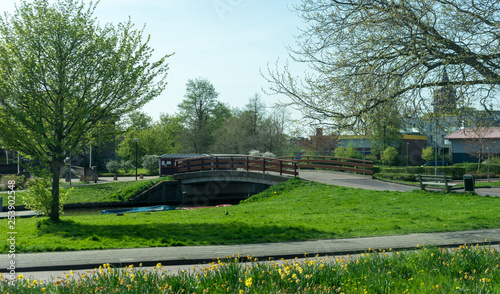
[(225, 41)]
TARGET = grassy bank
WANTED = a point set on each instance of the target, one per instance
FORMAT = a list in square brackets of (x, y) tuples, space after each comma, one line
[(108, 192), (430, 270), (295, 210)]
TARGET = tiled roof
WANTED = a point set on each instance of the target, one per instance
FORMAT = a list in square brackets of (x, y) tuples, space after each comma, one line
[(471, 133)]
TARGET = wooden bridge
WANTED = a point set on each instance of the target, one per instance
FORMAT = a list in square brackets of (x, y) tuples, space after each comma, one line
[(333, 163), (237, 162), (283, 165)]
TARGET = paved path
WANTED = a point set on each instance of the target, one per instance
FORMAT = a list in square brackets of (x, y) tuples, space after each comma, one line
[(352, 180), (366, 182), (64, 261)]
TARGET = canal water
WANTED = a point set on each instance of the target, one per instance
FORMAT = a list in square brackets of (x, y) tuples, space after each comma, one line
[(95, 211)]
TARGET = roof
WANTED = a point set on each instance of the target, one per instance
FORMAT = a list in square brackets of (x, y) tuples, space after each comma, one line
[(471, 133), (180, 156)]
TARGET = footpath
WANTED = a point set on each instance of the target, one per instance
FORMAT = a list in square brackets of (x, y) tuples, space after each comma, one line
[(74, 260), (191, 255)]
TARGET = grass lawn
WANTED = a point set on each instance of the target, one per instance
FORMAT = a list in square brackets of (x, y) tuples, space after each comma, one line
[(108, 192), (295, 210)]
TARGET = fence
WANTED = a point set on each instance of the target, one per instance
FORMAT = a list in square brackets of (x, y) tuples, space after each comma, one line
[(242, 162), (334, 163)]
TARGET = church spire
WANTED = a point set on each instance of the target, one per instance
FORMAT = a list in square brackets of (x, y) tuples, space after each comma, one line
[(445, 98)]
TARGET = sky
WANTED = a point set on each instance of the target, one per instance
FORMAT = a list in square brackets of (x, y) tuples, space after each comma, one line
[(227, 42)]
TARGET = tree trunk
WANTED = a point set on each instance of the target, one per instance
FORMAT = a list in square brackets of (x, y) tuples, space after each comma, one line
[(55, 168)]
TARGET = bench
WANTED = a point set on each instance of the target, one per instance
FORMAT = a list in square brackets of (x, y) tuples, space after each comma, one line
[(435, 180)]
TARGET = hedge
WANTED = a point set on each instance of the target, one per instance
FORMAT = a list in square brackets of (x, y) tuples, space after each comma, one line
[(456, 172), (396, 177)]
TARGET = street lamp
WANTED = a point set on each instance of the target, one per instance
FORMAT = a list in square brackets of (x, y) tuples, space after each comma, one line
[(298, 146), (363, 145), (407, 156), (488, 149), (136, 140)]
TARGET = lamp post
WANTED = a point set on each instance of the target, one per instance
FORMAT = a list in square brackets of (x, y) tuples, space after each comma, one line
[(136, 140), (407, 156), (363, 145), (298, 146), (488, 150)]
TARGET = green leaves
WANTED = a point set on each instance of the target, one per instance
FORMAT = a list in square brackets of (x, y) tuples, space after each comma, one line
[(65, 80)]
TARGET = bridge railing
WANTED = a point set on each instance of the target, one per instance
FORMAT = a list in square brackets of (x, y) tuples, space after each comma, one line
[(241, 162), (334, 163)]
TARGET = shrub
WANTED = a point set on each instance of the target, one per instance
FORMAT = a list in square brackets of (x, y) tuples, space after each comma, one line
[(396, 176), (127, 166), (428, 153), (20, 181), (389, 155), (151, 163), (39, 196), (347, 152), (456, 172), (254, 153), (268, 154), (113, 166)]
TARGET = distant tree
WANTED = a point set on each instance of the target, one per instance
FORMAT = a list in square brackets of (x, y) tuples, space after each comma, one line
[(136, 120), (384, 125), (62, 75), (478, 144), (151, 163), (347, 152), (230, 137), (428, 153), (389, 155), (196, 112), (159, 137)]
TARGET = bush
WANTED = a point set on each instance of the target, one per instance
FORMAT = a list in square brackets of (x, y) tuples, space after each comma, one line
[(254, 153), (456, 172), (389, 155), (396, 177), (127, 166), (268, 154), (39, 196), (151, 163), (113, 166), (20, 182)]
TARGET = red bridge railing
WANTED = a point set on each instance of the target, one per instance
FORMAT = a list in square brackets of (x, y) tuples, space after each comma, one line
[(237, 162), (334, 163)]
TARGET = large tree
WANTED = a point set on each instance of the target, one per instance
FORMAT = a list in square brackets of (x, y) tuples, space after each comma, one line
[(201, 115), (367, 53), (62, 75)]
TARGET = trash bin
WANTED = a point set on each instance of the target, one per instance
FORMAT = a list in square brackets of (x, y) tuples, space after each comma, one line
[(469, 183)]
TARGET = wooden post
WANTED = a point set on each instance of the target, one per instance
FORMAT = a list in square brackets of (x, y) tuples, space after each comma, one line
[(248, 164), (188, 165), (202, 165), (216, 163), (281, 167), (263, 165), (232, 163)]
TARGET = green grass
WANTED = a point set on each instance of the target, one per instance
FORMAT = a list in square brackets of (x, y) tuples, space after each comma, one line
[(291, 211), (108, 192), (429, 270)]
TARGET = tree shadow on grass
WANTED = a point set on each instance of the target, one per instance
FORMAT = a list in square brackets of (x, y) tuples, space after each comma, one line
[(91, 236)]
